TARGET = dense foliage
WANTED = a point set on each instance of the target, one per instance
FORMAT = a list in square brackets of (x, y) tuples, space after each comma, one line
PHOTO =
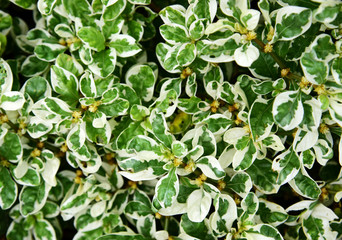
[(140, 119)]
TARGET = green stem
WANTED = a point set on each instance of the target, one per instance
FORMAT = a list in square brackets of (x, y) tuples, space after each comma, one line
[(273, 55), (166, 223), (278, 60)]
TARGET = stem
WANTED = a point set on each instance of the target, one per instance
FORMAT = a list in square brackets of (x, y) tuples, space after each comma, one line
[(166, 223), (278, 60), (273, 55)]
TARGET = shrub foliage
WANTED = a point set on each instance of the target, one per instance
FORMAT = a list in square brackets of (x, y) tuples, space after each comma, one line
[(198, 119)]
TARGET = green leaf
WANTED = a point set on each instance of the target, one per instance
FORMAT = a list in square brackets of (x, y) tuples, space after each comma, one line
[(160, 129), (314, 70), (304, 185), (16, 231), (227, 93), (90, 234), (217, 123), (271, 213), (326, 13), (80, 9), (12, 101), (334, 109), (186, 54), (205, 9), (210, 167), (196, 29), (55, 106), (174, 33), (85, 55), (32, 199), (112, 27), (87, 85), (30, 178), (147, 148), (191, 85), (142, 79), (225, 214), (287, 165), (92, 38), (264, 231), (314, 227), (220, 50), (205, 138), (336, 70), (260, 118), (138, 112), (3, 43), (195, 229), (124, 45), (70, 64), (44, 230), (133, 28), (45, 6), (323, 48), (312, 113), (83, 220), (112, 11), (127, 93), (140, 2), (240, 183), (337, 227), (133, 129), (249, 205), (75, 203), (116, 108), (212, 80), (139, 170), (50, 209), (76, 138), (146, 225), (263, 87), (37, 88), (6, 23), (308, 158), (136, 210), (323, 151), (169, 85), (48, 52), (104, 62), (97, 128), (32, 66), (167, 57), (27, 4), (167, 189), (179, 149), (64, 83), (10, 147), (296, 48), (245, 155), (264, 67), (198, 205), (291, 22), (263, 176), (8, 189), (173, 14), (190, 105), (288, 110)]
